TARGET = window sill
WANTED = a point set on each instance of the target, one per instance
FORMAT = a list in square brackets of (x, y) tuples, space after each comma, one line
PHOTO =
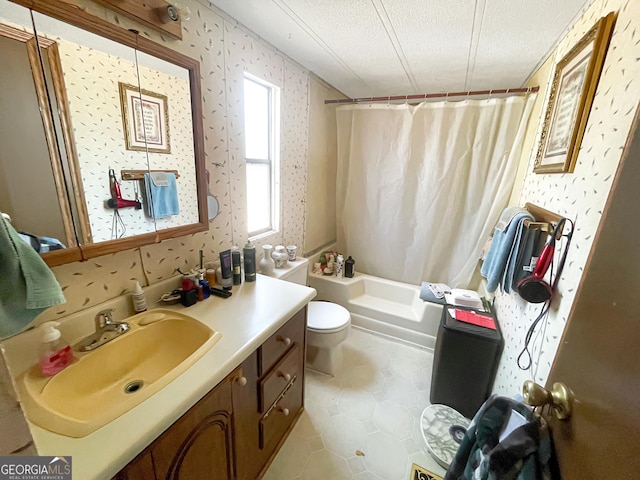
[(262, 235)]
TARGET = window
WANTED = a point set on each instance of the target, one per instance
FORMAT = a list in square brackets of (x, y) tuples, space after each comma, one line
[(261, 133)]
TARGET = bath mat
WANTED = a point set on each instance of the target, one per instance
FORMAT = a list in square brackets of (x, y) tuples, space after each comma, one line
[(419, 473)]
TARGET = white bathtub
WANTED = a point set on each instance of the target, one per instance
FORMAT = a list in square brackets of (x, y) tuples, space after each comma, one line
[(383, 306)]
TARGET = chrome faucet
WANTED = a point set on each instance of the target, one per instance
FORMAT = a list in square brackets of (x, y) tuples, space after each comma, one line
[(106, 330)]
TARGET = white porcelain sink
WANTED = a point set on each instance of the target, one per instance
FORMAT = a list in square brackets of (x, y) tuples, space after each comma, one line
[(103, 384)]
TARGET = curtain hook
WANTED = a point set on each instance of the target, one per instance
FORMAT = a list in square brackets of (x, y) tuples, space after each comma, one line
[(490, 93)]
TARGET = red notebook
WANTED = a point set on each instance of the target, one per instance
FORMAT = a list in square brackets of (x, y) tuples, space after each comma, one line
[(474, 318)]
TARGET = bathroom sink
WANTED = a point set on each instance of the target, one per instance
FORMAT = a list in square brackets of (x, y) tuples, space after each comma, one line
[(103, 384)]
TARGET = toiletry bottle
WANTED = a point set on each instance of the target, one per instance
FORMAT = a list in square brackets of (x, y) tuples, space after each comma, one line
[(204, 283), (349, 267), (55, 353), (227, 271), (235, 263), (139, 300), (249, 252), (339, 266)]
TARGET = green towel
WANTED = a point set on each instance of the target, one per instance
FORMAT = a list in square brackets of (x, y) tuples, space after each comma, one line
[(27, 285)]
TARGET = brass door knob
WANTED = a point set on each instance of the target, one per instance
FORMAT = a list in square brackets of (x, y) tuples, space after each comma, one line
[(560, 398)]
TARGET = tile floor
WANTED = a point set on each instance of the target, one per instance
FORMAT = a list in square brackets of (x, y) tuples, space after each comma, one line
[(364, 423)]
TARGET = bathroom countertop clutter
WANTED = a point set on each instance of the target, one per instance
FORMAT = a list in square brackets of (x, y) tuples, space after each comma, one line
[(246, 320)]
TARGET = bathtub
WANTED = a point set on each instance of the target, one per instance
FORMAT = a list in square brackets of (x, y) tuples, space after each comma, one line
[(383, 306)]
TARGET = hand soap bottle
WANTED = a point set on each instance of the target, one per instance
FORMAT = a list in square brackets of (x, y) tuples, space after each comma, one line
[(55, 354)]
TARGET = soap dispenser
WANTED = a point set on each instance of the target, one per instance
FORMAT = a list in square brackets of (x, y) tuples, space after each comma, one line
[(55, 354)]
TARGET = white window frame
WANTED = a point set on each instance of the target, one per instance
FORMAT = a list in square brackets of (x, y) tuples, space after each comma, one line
[(274, 157)]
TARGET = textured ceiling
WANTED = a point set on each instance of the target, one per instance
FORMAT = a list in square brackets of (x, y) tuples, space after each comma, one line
[(400, 47)]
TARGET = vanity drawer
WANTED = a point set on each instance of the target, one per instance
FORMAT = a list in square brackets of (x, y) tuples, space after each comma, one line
[(279, 377), (277, 345), (279, 419)]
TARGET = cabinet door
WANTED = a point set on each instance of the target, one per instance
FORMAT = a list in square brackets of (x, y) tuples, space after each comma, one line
[(246, 419), (139, 468), (200, 444)]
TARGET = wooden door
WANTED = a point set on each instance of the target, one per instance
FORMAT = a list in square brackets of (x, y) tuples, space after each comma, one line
[(599, 355), (200, 444)]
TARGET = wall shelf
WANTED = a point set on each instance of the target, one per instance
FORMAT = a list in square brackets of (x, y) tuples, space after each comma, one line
[(139, 174)]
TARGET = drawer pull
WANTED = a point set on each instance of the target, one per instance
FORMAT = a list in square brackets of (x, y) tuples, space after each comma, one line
[(242, 381), (285, 376), (285, 340), (275, 405), (284, 410)]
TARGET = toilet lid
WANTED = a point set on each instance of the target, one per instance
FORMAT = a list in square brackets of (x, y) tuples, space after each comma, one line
[(326, 316)]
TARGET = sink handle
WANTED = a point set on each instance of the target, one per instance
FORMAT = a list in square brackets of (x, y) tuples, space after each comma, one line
[(103, 317)]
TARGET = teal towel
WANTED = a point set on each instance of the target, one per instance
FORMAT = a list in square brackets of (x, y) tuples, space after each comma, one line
[(27, 285), (162, 194), (495, 262)]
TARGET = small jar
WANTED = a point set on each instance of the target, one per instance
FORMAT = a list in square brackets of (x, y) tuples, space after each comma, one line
[(280, 256)]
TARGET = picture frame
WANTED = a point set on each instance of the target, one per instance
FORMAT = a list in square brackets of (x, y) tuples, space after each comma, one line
[(572, 91), (145, 118)]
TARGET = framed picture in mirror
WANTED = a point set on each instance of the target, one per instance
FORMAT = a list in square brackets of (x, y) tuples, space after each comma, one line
[(145, 119), (572, 91)]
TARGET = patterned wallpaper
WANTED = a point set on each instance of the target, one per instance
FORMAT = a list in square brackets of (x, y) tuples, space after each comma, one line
[(579, 195), (95, 111), (225, 50)]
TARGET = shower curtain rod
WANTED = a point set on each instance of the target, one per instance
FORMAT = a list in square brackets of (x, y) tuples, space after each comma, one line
[(425, 96)]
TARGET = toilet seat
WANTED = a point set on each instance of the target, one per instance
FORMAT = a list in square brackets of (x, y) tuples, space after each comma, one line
[(327, 317)]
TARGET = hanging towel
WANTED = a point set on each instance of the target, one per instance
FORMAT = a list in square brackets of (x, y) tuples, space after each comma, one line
[(162, 194), (507, 215), (494, 264), (512, 260), (27, 285)]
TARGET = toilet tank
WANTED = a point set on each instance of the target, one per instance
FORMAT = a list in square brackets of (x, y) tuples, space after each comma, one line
[(295, 271)]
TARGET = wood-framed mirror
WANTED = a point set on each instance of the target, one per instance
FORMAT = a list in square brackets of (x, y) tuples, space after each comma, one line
[(92, 139)]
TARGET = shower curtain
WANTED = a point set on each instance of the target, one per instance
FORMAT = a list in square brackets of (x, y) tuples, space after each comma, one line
[(420, 188)]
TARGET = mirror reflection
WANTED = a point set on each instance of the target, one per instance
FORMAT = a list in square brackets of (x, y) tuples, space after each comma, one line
[(35, 203), (122, 145)]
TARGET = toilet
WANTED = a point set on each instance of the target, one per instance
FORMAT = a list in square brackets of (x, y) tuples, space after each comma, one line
[(327, 323)]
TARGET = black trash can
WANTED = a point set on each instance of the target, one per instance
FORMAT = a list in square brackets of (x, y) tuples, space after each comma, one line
[(465, 363)]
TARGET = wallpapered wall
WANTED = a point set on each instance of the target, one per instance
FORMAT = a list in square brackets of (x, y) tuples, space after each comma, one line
[(579, 195), (225, 50)]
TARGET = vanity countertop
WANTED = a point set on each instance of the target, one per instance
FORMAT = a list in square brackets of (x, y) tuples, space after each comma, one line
[(246, 320)]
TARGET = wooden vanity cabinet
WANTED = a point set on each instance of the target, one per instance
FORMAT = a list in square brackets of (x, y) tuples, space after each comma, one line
[(235, 431), (198, 445)]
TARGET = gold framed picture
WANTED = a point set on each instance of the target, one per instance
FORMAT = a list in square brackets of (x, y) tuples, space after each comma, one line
[(145, 117), (572, 90)]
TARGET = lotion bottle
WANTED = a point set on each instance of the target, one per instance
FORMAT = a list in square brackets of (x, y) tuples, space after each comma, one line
[(139, 300), (55, 353)]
